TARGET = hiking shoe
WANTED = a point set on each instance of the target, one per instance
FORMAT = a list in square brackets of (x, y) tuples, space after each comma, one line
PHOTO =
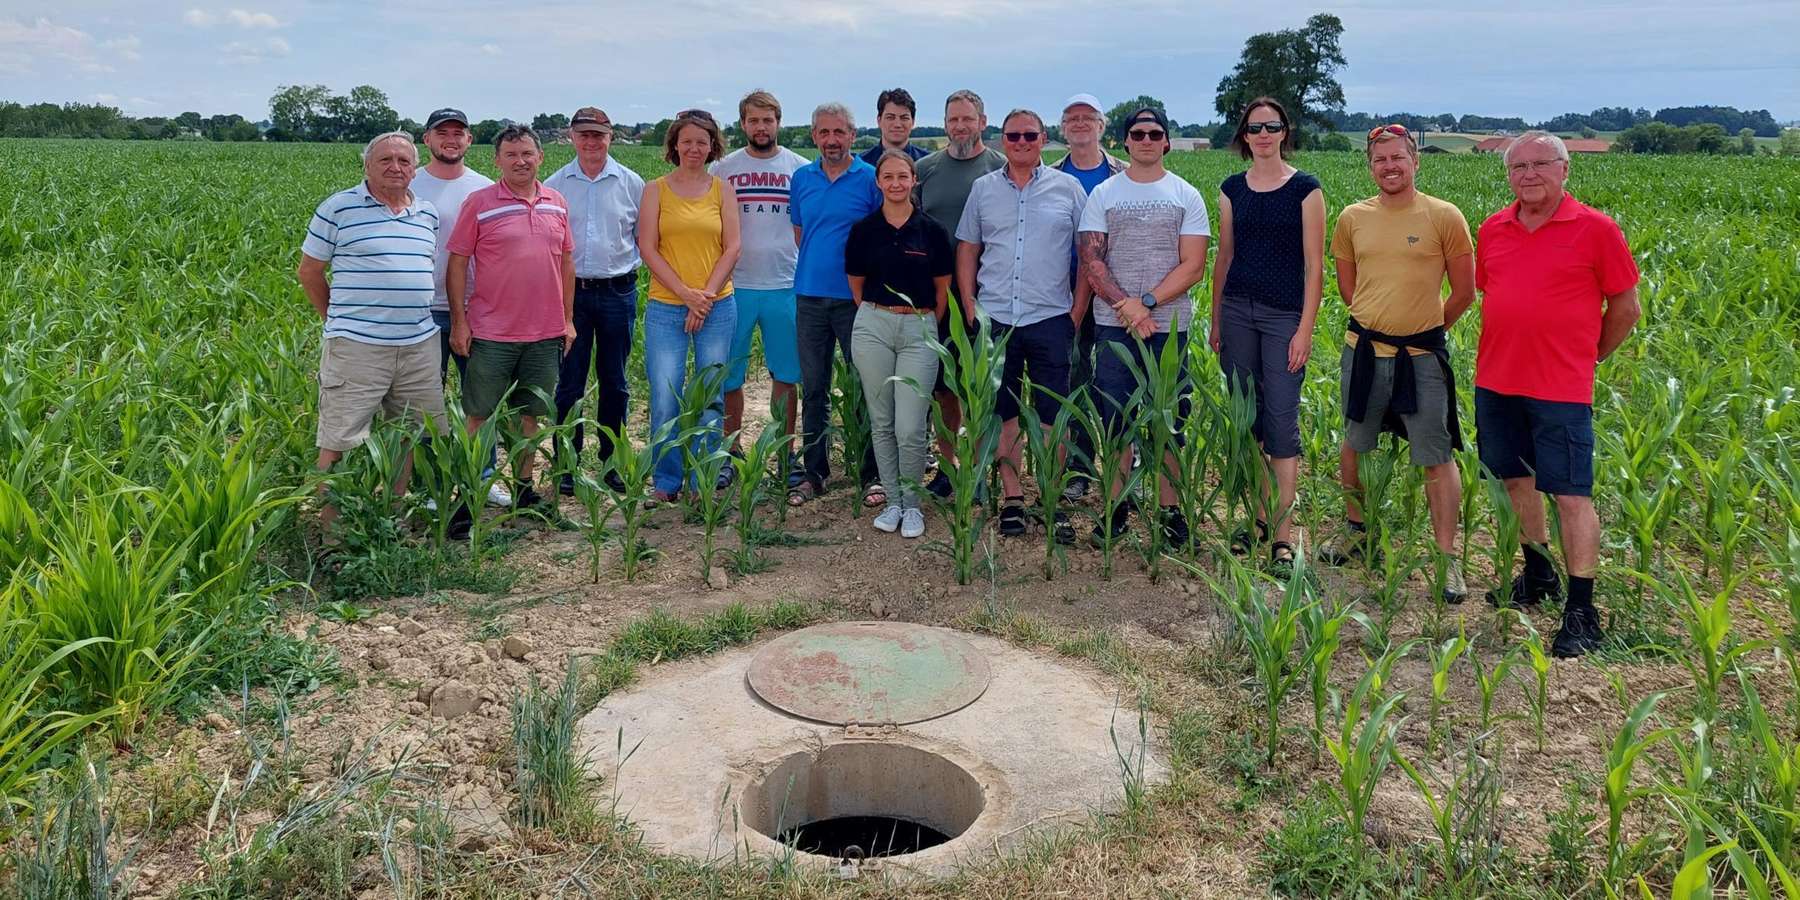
[(1012, 519), (498, 496), (1579, 634), (1351, 546), (527, 497), (614, 482), (1529, 591), (1455, 591), (1062, 529), (460, 522), (1076, 489), (1175, 529), (912, 523), (940, 486), (1119, 527)]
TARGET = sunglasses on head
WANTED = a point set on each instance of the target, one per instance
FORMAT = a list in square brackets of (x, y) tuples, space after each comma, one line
[(1023, 137), (1260, 127), (694, 114), (1146, 134), (1395, 129)]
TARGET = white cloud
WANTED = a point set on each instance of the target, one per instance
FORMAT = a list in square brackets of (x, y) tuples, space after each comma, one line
[(24, 44), (108, 99), (199, 18), (279, 47), (125, 48), (242, 18), (491, 49), (248, 52)]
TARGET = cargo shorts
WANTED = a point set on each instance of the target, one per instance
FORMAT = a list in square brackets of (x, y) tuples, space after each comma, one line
[(358, 380)]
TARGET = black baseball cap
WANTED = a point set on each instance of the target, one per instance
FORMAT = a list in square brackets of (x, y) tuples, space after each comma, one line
[(447, 114), (1141, 114)]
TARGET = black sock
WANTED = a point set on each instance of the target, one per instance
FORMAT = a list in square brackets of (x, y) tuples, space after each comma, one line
[(1538, 565), (1581, 592), (1356, 526)]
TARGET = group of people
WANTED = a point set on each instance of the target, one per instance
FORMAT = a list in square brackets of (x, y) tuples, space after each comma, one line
[(532, 290)]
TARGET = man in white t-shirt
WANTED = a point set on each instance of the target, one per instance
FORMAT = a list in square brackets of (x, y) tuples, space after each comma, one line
[(1143, 247), (445, 183), (764, 278)]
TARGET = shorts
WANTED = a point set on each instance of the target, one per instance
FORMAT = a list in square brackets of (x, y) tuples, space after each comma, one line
[(1427, 431), (529, 368), (1520, 436), (774, 311), (1114, 380), (1042, 350), (356, 380), (1253, 351)]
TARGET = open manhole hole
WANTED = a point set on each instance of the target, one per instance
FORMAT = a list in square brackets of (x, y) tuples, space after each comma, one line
[(869, 672), (863, 799)]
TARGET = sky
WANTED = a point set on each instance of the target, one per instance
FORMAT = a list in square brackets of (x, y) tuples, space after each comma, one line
[(643, 61)]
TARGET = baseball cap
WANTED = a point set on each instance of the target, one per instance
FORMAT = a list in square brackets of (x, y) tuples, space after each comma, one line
[(1139, 115), (447, 114), (1083, 100), (590, 118)]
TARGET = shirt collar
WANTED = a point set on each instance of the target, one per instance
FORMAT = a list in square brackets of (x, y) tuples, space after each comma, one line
[(506, 193), (412, 200), (1566, 211), (572, 169)]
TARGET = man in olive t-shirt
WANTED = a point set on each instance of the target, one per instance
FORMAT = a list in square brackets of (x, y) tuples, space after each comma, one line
[(944, 181)]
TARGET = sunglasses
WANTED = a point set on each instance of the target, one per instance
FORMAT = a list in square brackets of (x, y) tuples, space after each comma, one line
[(1260, 127), (1146, 134), (1395, 129), (694, 114), (1023, 137)]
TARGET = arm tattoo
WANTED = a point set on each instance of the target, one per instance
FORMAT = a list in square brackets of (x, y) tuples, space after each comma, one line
[(1092, 246)]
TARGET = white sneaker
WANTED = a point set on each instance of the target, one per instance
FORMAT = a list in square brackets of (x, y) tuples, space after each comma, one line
[(912, 523), (888, 520), (499, 496), (430, 505)]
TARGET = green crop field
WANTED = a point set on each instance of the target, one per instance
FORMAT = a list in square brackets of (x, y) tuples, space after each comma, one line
[(195, 697)]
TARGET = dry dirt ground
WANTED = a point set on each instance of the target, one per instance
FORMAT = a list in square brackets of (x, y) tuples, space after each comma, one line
[(433, 676)]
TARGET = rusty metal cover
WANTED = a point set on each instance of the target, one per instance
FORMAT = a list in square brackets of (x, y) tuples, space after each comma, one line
[(869, 673)]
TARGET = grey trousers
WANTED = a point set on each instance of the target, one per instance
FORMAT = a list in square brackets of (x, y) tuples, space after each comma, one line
[(884, 345)]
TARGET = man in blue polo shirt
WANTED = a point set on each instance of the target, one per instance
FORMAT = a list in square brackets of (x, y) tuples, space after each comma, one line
[(379, 352), (825, 198)]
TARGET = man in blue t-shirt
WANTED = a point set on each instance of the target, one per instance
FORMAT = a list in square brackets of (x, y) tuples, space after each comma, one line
[(825, 198)]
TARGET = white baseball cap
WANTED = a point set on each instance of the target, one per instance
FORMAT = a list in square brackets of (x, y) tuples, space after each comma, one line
[(1083, 100)]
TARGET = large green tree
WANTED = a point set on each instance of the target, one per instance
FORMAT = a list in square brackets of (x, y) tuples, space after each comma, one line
[(295, 109), (1296, 67)]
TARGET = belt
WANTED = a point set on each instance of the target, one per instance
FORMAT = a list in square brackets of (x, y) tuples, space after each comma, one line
[(901, 310), (593, 284)]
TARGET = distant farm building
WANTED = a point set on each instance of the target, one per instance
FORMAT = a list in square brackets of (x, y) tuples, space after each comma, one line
[(1187, 143)]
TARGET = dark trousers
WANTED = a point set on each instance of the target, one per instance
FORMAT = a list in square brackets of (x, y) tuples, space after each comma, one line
[(822, 323), (605, 317)]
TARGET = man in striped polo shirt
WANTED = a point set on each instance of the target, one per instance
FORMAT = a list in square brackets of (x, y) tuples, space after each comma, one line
[(379, 350), (519, 322)]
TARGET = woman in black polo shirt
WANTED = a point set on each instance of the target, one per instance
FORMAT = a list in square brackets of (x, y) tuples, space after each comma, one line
[(899, 262)]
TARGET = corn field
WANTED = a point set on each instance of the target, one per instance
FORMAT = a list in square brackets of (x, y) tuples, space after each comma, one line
[(157, 399)]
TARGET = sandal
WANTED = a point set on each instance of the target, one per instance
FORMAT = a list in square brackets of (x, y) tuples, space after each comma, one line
[(1281, 559), (876, 495), (1012, 517), (802, 491), (1240, 541)]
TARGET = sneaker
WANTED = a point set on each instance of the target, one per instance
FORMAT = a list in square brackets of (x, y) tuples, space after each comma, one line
[(499, 496), (1063, 529), (1529, 591), (429, 505), (1348, 547), (614, 482), (1012, 519), (912, 523), (940, 486), (566, 485), (460, 522), (1175, 529), (1579, 634), (727, 477), (888, 520), (1121, 526), (1455, 591), (1076, 489), (529, 498)]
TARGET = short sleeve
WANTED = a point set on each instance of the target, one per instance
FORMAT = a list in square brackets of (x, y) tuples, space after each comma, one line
[(796, 201), (1481, 254), (462, 237), (969, 228), (1080, 204), (1093, 212), (1193, 219), (568, 242), (856, 251), (1343, 237), (1453, 232), (1618, 271), (321, 233), (942, 256)]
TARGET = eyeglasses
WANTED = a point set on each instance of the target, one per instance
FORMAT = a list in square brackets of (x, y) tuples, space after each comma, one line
[(1531, 165), (1260, 127), (1081, 117), (1023, 137), (1146, 134), (1394, 129)]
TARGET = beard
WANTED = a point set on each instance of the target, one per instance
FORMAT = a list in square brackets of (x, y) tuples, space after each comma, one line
[(965, 148), (762, 146), (446, 157)]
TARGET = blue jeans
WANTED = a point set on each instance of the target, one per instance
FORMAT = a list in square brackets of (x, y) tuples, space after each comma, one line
[(605, 317), (666, 345)]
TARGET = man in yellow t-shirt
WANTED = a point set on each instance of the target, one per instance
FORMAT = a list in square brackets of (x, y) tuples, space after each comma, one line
[(1393, 253)]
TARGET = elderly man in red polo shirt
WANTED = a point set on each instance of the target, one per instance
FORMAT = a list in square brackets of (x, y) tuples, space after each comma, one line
[(1559, 294)]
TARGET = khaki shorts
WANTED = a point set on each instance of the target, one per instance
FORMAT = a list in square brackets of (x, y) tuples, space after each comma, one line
[(356, 380)]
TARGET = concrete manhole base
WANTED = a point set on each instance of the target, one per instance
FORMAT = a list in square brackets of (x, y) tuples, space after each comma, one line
[(717, 773)]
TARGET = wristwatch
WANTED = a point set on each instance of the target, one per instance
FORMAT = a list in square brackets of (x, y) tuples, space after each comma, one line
[(1149, 300)]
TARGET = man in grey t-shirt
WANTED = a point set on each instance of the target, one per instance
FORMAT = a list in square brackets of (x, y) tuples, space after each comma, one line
[(944, 181)]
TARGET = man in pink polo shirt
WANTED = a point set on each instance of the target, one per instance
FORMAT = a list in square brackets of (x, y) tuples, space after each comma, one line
[(1559, 294), (520, 320)]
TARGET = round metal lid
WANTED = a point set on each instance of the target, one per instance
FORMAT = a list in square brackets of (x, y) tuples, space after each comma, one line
[(869, 673)]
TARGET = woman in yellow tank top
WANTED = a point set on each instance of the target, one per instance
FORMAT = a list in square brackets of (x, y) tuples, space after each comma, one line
[(688, 236)]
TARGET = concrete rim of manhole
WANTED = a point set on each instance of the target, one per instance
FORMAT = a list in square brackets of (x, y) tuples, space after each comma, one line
[(869, 673), (884, 772)]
